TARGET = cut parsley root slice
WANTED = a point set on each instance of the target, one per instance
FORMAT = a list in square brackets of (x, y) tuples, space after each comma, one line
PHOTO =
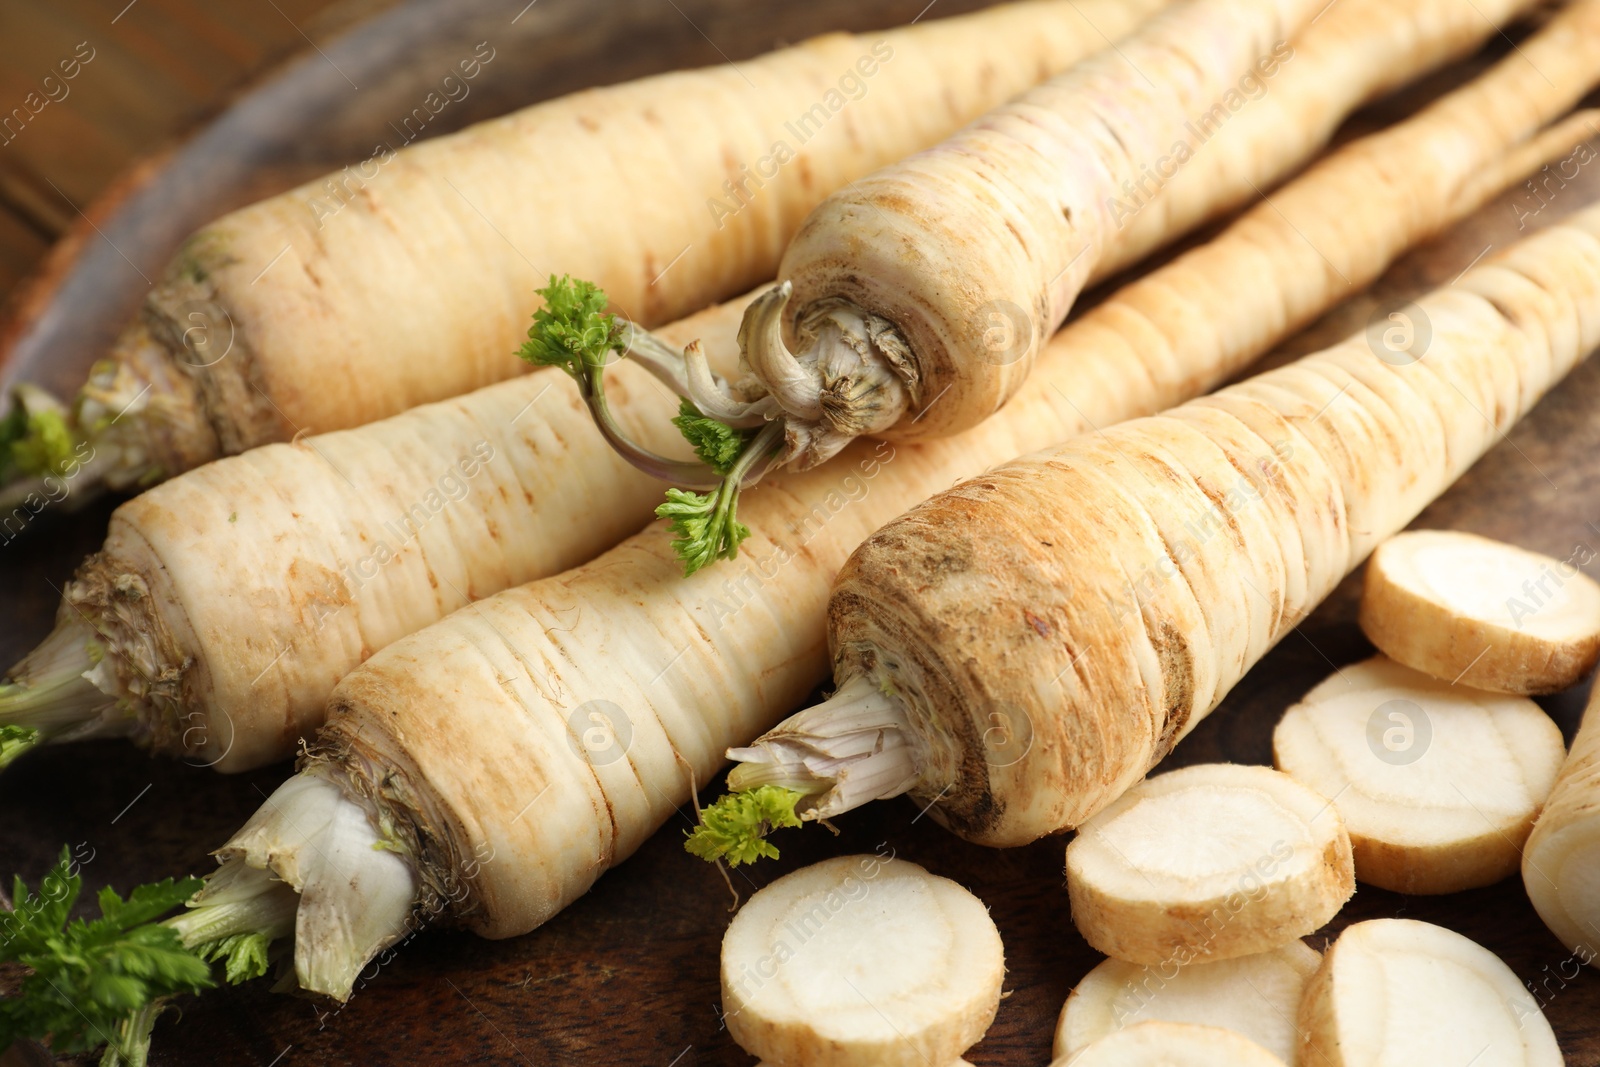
[(1480, 612), (859, 961), (1256, 996), (1166, 1044), (1438, 785), (1208, 863), (1398, 991)]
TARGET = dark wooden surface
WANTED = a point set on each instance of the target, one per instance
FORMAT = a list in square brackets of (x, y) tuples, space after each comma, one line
[(628, 975), (157, 67)]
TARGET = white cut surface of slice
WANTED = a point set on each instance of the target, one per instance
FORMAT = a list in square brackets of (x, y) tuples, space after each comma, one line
[(1398, 992), (1438, 785), (861, 961), (1480, 612), (1166, 1044), (1209, 862), (1256, 996)]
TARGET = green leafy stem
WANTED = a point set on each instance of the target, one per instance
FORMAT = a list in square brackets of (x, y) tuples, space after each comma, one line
[(104, 981), (89, 979), (573, 331), (35, 439)]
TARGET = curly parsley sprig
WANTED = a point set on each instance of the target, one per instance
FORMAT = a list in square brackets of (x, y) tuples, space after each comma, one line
[(735, 828), (573, 331), (94, 981)]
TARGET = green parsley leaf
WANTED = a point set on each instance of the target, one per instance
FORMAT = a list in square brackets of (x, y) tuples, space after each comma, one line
[(572, 330), (35, 443), (716, 443), (88, 977), (706, 524), (244, 956), (735, 827), (16, 739)]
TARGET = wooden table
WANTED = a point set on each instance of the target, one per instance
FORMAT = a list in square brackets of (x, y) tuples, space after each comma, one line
[(629, 973), (154, 68)]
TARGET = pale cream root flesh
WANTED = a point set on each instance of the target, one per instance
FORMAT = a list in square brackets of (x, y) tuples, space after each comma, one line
[(975, 337), (1561, 860), (1481, 613), (228, 614), (1397, 992), (1438, 785), (1256, 996), (1094, 377), (861, 961), (1210, 862), (1347, 56), (963, 205), (1131, 582), (354, 893), (1172, 1044)]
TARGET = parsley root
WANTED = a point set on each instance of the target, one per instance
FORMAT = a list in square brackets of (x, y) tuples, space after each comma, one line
[(406, 279), (608, 689), (1046, 633), (227, 602), (920, 297)]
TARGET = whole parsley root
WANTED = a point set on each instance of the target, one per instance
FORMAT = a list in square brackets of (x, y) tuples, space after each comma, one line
[(254, 583), (311, 310), (1080, 565), (911, 305), (1561, 860), (587, 693)]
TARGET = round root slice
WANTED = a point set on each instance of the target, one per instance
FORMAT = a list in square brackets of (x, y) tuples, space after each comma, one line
[(1167, 1044), (1256, 996), (1394, 992), (1208, 863), (1482, 613), (1438, 785), (860, 961)]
